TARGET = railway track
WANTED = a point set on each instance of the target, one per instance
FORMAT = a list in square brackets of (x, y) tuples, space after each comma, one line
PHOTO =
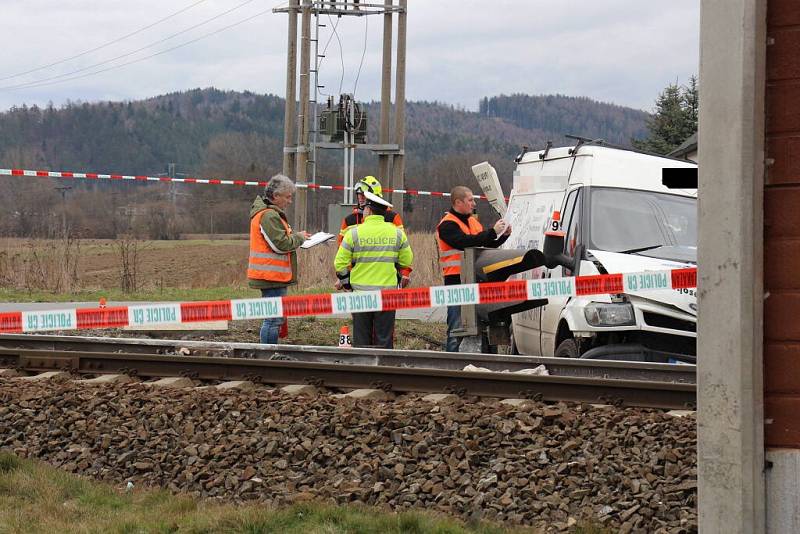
[(655, 372), (619, 383)]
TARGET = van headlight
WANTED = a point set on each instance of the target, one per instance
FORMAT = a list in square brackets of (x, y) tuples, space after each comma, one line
[(609, 314)]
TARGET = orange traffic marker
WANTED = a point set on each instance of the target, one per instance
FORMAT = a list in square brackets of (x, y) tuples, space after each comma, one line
[(344, 337)]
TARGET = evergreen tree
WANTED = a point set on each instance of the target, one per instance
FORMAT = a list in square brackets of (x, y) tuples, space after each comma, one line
[(691, 101), (675, 119)]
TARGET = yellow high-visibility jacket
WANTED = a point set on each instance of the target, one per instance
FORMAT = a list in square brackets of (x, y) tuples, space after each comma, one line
[(377, 250)]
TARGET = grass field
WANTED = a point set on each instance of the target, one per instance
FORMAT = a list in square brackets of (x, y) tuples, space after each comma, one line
[(192, 270), (84, 270), (37, 498)]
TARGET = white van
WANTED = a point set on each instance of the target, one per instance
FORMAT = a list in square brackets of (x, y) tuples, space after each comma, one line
[(617, 217)]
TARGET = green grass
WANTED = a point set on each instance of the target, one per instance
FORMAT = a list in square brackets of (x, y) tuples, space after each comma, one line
[(37, 498)]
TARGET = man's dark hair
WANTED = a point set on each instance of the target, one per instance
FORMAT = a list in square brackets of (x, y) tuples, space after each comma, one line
[(377, 209)]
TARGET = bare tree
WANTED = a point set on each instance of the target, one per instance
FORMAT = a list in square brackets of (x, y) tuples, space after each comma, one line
[(128, 250)]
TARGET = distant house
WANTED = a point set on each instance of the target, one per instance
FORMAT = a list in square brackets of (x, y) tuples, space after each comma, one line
[(687, 150)]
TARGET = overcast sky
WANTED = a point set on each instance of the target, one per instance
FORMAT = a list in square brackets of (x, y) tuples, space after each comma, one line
[(620, 51)]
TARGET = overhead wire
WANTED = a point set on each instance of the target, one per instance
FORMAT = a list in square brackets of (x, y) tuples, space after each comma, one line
[(104, 45), (341, 54), (325, 49), (45, 83), (363, 53), (358, 74), (40, 82)]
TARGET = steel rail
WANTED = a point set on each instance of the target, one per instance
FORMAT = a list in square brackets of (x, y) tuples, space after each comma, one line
[(331, 375), (658, 372)]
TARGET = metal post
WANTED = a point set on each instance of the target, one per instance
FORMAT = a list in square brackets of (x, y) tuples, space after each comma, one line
[(386, 92), (172, 192), (398, 162), (348, 142), (291, 93), (300, 206), (63, 190), (351, 178), (346, 153), (315, 101)]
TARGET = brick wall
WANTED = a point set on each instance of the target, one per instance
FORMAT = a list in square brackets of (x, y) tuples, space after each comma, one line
[(782, 227)]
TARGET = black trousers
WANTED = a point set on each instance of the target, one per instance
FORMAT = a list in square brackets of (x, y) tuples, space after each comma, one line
[(373, 329)]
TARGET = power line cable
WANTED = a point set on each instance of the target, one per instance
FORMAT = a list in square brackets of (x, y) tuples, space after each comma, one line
[(41, 81), (32, 85), (100, 47), (324, 51), (363, 53), (358, 74), (341, 54)]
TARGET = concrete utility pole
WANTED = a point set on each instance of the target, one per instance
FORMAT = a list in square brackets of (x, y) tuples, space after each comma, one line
[(291, 93), (398, 161), (386, 94), (301, 197)]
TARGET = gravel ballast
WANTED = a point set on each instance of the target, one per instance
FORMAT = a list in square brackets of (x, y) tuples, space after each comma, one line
[(633, 470)]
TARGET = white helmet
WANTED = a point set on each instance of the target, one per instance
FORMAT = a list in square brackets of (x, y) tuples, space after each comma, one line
[(372, 198)]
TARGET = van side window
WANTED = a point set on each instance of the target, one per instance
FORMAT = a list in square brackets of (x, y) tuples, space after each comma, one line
[(573, 228), (569, 207), (566, 213)]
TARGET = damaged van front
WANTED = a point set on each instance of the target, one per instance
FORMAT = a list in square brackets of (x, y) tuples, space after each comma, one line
[(634, 231), (613, 216)]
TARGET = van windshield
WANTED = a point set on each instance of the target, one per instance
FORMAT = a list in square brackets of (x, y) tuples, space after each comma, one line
[(642, 222)]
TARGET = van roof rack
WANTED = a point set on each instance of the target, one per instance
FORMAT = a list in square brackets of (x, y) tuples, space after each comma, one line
[(582, 141), (521, 155), (588, 141)]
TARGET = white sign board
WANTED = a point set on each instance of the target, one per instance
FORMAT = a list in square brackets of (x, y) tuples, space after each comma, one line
[(490, 184)]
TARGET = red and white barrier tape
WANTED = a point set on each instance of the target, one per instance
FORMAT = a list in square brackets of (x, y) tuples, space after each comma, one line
[(144, 315), (189, 180)]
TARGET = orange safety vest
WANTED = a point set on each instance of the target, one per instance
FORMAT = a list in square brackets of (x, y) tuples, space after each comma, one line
[(449, 257), (266, 263)]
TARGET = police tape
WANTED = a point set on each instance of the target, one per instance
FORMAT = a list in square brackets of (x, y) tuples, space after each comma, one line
[(206, 181), (160, 314)]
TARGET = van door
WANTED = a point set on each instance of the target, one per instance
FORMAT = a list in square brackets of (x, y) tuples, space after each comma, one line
[(528, 233), (539, 189), (526, 213), (551, 313)]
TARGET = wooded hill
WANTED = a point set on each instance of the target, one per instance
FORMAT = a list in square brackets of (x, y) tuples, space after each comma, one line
[(226, 134)]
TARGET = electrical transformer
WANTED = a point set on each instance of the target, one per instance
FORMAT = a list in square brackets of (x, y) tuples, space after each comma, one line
[(334, 121)]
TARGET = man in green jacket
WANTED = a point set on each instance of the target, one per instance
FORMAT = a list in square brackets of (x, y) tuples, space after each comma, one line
[(377, 251), (272, 265)]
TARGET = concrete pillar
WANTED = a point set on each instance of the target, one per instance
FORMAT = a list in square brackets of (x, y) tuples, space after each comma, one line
[(301, 172), (291, 92), (731, 487), (398, 161), (386, 95)]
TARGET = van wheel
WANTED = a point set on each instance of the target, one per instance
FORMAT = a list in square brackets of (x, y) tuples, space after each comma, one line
[(568, 349)]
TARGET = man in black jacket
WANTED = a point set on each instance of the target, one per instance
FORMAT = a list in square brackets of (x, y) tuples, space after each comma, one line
[(459, 229)]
